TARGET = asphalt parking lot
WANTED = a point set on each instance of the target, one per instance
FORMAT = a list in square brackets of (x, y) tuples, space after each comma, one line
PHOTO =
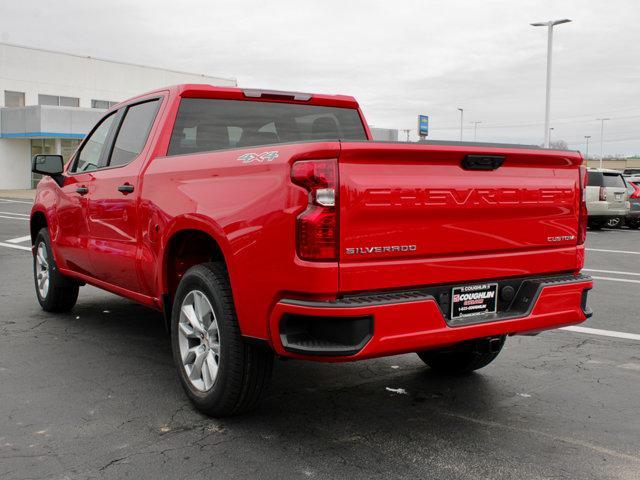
[(93, 394)]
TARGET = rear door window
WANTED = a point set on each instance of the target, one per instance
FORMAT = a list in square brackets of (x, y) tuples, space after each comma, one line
[(212, 124), (613, 180), (133, 132)]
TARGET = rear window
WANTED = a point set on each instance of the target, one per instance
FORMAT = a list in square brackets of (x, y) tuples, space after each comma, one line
[(210, 124), (595, 179), (613, 180)]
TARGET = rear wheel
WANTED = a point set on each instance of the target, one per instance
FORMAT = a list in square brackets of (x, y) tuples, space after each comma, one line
[(633, 223), (615, 222), (221, 374), (55, 291), (463, 357)]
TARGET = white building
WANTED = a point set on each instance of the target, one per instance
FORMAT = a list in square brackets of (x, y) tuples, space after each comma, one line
[(50, 100)]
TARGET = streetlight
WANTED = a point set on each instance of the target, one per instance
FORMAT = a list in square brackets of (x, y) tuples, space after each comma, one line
[(602, 120), (550, 24), (461, 116), (475, 130), (550, 128), (586, 155)]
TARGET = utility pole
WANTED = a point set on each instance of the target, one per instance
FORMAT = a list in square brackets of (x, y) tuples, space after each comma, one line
[(602, 120), (586, 155), (547, 106), (475, 130), (461, 117)]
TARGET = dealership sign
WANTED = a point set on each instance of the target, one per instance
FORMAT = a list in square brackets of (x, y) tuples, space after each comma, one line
[(423, 125)]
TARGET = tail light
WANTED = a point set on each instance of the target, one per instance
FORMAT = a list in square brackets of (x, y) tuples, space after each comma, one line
[(636, 190), (317, 226), (603, 194), (583, 219)]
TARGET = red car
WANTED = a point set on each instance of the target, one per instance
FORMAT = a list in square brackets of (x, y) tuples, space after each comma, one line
[(268, 223)]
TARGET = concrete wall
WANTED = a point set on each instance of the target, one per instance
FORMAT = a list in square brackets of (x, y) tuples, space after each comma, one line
[(15, 165), (384, 134), (618, 164), (43, 119), (35, 71)]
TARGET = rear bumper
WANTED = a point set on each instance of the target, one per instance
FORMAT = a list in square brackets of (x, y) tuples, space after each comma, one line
[(401, 322), (606, 209)]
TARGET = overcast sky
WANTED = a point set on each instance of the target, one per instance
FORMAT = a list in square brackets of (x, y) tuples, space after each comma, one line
[(398, 58)]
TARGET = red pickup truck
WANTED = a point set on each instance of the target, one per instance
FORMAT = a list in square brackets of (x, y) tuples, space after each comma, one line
[(268, 223)]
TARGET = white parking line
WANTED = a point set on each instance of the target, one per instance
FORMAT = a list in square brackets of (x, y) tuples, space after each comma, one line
[(585, 269), (611, 279), (6, 200), (28, 237), (15, 213), (18, 247), (603, 333), (611, 251), (15, 218)]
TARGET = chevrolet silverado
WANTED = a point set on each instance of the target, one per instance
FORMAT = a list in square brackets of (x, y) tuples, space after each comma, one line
[(266, 223)]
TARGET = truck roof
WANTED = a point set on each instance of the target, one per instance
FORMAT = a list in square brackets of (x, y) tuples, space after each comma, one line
[(195, 90)]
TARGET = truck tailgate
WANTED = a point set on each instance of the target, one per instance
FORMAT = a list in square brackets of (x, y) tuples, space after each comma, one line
[(405, 206)]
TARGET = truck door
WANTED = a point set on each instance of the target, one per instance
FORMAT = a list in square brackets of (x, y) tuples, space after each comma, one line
[(114, 226), (72, 211)]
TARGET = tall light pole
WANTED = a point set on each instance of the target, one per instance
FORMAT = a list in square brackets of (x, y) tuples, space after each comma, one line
[(547, 109), (602, 120), (461, 116), (475, 130), (586, 155)]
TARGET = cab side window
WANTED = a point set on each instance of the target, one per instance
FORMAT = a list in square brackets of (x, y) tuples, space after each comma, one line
[(133, 132), (92, 150)]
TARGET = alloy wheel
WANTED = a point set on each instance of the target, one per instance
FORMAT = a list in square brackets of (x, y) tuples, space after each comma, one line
[(42, 270), (199, 340)]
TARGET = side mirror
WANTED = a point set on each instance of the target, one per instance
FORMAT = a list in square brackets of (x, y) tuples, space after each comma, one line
[(51, 165)]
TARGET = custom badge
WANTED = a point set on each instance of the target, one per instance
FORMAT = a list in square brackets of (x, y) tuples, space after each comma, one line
[(258, 157)]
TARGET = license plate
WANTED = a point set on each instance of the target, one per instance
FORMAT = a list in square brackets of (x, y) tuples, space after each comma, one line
[(473, 300)]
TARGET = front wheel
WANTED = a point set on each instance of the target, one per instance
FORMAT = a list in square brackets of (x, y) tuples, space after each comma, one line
[(55, 292), (221, 373), (464, 357)]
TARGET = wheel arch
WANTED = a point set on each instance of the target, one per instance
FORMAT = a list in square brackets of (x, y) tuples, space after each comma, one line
[(37, 221), (190, 241)]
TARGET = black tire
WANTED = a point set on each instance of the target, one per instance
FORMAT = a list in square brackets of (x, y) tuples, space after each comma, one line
[(244, 369), (595, 224), (614, 222), (62, 292), (464, 357)]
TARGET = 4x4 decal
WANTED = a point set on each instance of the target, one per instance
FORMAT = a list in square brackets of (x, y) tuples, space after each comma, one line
[(258, 157)]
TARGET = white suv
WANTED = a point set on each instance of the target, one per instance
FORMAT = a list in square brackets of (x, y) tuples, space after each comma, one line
[(607, 198)]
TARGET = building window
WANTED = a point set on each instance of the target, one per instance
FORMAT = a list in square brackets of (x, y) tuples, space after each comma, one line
[(69, 102), (13, 99), (103, 104), (58, 101)]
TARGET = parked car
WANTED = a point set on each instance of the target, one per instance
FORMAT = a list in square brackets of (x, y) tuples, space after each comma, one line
[(607, 198), (631, 171), (632, 219), (268, 223)]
